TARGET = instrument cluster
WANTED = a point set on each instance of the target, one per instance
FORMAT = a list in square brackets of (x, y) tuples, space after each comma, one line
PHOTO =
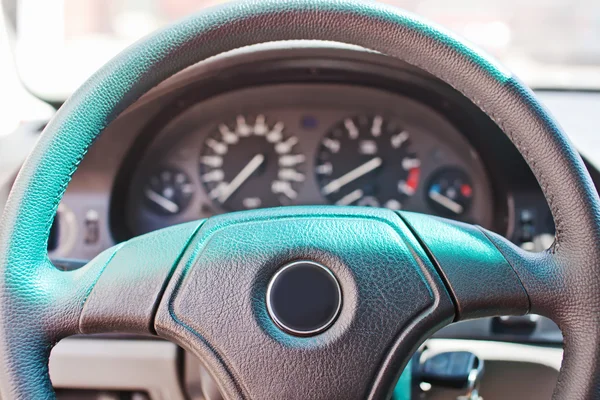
[(304, 144)]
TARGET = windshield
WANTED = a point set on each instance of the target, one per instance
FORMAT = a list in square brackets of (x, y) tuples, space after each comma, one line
[(548, 43)]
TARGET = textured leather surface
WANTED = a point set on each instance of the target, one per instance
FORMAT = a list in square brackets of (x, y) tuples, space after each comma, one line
[(389, 289), (39, 305), (126, 296), (36, 308), (480, 279), (560, 287)]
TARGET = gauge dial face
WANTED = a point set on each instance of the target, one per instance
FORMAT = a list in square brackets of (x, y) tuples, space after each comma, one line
[(367, 161), (168, 191), (251, 163), (450, 192)]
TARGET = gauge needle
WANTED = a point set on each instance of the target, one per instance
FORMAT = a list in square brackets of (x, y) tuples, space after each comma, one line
[(240, 178), (350, 198), (446, 202), (351, 176), (162, 201)]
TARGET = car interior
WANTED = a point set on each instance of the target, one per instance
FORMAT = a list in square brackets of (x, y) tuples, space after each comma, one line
[(304, 199)]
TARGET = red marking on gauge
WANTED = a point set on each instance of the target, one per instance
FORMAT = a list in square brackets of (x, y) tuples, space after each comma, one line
[(413, 178), (466, 190)]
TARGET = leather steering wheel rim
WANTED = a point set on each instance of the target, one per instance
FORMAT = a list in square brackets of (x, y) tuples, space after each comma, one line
[(39, 305)]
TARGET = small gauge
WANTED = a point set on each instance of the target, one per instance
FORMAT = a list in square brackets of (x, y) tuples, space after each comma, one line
[(251, 163), (368, 161), (450, 192), (168, 191)]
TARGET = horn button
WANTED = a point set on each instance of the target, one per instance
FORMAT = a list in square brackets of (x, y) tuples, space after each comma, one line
[(304, 298)]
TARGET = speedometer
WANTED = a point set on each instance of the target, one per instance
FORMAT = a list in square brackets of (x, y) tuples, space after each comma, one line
[(368, 161), (250, 163)]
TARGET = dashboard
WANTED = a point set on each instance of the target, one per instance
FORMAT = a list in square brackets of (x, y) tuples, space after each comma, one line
[(301, 144), (297, 124)]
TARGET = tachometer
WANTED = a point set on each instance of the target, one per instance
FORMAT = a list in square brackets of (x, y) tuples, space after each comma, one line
[(368, 161), (250, 163)]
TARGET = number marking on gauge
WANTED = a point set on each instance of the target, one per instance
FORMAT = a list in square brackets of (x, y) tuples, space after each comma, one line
[(289, 174), (286, 147), (409, 163), (212, 161), (260, 128), (242, 128), (367, 147), (353, 131), (291, 160), (376, 126), (187, 188), (213, 176), (276, 133), (217, 147), (165, 176), (324, 169), (285, 188), (180, 178), (228, 136), (332, 144), (251, 202), (399, 139), (393, 204)]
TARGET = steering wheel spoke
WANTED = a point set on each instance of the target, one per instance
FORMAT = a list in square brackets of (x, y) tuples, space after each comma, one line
[(482, 282), (127, 292)]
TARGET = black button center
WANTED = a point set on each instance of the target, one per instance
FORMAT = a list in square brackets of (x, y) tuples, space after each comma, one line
[(304, 298)]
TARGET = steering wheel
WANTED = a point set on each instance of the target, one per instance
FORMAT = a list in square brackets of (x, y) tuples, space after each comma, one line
[(304, 302)]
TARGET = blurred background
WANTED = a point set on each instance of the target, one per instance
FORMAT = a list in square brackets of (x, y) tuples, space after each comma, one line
[(57, 44)]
